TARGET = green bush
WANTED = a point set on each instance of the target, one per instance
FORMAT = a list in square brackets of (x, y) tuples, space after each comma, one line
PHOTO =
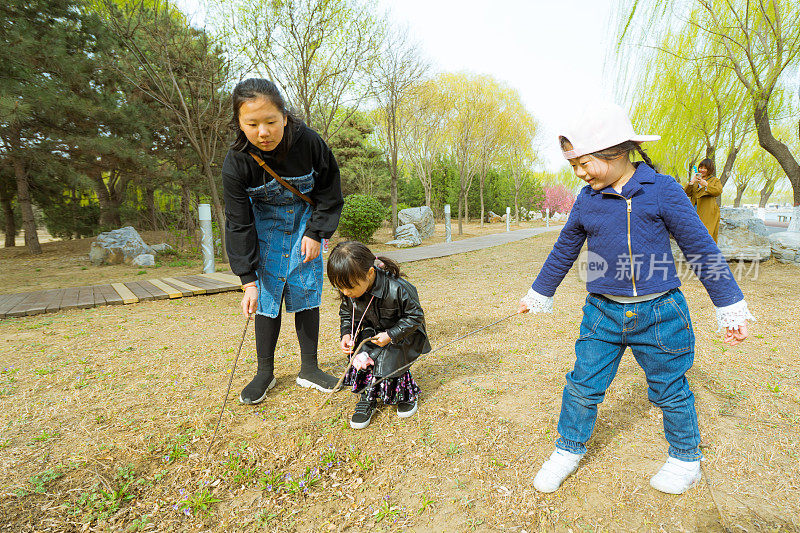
[(361, 217)]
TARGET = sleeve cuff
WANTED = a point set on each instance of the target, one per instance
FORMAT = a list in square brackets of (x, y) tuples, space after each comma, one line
[(538, 303), (734, 315), (247, 278), (312, 234)]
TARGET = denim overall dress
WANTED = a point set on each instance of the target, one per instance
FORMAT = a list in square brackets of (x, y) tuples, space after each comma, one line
[(280, 220)]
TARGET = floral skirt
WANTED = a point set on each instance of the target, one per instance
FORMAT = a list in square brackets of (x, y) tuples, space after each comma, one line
[(390, 391)]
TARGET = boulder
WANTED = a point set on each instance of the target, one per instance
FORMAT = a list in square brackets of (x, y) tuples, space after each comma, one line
[(786, 247), (420, 217), (406, 237), (536, 215), (118, 246), (161, 248), (144, 260), (742, 236), (494, 217)]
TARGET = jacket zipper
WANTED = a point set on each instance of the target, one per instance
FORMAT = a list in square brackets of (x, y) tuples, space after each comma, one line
[(628, 201)]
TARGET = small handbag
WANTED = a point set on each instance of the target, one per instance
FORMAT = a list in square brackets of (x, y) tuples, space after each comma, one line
[(280, 180)]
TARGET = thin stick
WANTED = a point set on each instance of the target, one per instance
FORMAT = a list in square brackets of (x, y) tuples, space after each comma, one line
[(406, 367), (230, 382)]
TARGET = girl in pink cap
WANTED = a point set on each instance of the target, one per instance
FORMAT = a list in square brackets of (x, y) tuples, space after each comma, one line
[(627, 213)]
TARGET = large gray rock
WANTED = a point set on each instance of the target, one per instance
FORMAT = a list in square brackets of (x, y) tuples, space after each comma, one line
[(786, 247), (144, 260), (118, 246), (421, 217), (406, 237), (161, 248), (742, 236)]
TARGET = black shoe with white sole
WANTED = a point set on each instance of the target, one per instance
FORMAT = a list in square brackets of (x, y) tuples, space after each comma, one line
[(406, 409), (363, 414), (256, 390), (316, 379)]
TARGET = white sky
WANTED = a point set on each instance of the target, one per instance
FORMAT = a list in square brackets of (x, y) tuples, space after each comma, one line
[(551, 51)]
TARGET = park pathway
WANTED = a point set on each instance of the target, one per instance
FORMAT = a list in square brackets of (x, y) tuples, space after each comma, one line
[(52, 300)]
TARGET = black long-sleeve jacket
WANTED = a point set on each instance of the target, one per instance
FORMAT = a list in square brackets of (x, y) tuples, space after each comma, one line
[(307, 153), (396, 310)]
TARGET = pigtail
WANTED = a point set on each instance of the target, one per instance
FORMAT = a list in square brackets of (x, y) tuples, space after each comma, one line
[(645, 157), (389, 266)]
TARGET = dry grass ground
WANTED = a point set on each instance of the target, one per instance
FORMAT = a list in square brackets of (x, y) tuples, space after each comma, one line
[(106, 414)]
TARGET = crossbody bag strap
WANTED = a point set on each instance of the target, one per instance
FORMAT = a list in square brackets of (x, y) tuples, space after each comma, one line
[(280, 180)]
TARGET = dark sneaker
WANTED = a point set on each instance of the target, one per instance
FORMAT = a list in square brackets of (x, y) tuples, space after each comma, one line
[(363, 414), (316, 379), (256, 390), (406, 409)]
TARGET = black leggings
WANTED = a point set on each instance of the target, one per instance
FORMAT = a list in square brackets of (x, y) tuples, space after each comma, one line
[(267, 330)]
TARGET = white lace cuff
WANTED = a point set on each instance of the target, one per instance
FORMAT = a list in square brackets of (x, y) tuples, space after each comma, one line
[(733, 316), (538, 303)]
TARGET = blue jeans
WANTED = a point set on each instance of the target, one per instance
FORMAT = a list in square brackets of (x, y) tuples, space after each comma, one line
[(660, 335)]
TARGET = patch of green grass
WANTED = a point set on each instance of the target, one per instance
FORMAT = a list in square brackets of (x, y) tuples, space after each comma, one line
[(454, 449), (426, 502), (107, 496), (38, 482), (140, 272), (386, 511), (43, 371), (198, 503), (181, 263), (45, 436)]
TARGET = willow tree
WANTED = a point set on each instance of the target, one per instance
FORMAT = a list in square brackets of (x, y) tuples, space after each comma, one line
[(757, 40), (422, 140), (466, 96)]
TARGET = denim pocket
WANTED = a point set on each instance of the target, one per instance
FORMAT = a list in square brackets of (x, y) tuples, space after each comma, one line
[(592, 315), (673, 330)]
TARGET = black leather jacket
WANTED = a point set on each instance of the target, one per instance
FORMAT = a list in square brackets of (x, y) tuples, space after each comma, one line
[(396, 310)]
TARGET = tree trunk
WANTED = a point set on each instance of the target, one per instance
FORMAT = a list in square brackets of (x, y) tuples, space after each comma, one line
[(109, 208), (730, 159), (219, 213), (739, 192), (766, 192), (190, 225), (483, 209), (516, 205), (24, 200), (11, 223), (460, 205), (776, 148), (150, 204)]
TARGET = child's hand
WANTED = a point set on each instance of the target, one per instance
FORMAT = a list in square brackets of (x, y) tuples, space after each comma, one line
[(735, 336), (347, 345), (523, 307), (382, 339), (362, 361)]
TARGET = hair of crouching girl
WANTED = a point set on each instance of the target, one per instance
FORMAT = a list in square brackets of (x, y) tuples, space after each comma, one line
[(350, 261), (609, 154)]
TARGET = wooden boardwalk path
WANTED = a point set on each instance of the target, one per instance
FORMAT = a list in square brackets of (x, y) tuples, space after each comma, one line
[(48, 301)]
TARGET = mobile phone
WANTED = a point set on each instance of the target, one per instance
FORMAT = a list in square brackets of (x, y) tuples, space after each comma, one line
[(694, 169)]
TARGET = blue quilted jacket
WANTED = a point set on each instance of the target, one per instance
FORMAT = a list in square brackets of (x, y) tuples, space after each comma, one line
[(628, 241)]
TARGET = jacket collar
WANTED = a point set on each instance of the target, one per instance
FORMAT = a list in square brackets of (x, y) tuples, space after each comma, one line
[(644, 173), (378, 288)]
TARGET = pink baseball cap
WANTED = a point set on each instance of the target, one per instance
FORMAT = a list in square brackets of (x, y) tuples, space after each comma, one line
[(599, 127)]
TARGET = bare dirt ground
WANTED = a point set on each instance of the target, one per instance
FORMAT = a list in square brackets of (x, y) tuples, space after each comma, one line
[(106, 414)]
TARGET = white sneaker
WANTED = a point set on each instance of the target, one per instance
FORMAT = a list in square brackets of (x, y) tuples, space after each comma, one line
[(555, 470), (676, 476)]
